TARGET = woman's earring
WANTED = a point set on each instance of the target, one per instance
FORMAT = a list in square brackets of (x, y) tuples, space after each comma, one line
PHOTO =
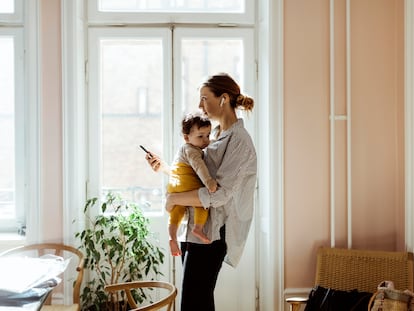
[(222, 102)]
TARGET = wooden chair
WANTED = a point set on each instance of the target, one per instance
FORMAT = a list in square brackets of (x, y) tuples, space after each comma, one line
[(348, 269), (65, 251), (167, 300)]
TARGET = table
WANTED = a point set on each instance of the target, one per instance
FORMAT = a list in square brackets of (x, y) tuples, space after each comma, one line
[(31, 300), (25, 282)]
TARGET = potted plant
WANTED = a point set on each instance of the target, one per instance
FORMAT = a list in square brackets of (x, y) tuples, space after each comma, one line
[(118, 247)]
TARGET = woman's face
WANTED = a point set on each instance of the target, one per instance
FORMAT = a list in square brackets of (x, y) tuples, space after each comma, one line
[(209, 103)]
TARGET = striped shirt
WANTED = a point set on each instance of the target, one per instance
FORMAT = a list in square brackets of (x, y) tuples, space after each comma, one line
[(231, 160)]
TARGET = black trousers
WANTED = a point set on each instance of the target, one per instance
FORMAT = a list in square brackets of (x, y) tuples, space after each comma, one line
[(202, 263)]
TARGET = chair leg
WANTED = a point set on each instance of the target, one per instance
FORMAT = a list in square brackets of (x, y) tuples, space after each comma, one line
[(295, 306)]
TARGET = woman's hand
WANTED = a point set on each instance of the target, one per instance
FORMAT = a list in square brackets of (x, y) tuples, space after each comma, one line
[(154, 161)]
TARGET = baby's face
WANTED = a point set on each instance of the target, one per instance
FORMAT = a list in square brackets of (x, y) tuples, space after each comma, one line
[(199, 137)]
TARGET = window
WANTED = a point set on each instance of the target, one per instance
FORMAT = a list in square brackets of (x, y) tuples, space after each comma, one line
[(7, 7), (132, 103), (142, 79), (138, 91), (11, 122), (11, 11), (171, 6), (207, 51), (128, 99), (171, 11), (16, 122)]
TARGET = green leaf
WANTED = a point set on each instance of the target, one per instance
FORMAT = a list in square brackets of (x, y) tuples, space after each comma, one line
[(118, 241)]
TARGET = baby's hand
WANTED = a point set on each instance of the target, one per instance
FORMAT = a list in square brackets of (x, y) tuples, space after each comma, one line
[(212, 186)]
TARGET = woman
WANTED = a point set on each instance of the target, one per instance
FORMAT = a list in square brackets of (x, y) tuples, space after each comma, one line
[(231, 160)]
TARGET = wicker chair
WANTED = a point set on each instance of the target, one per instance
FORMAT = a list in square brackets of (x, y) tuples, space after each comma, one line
[(347, 269), (167, 299), (65, 251)]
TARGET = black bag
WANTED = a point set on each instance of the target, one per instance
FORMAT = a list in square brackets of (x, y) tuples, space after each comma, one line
[(327, 299)]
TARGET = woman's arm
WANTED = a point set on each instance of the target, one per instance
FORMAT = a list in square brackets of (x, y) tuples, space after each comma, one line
[(188, 198)]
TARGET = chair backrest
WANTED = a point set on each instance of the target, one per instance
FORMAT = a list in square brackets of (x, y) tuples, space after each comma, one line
[(347, 269), (38, 250), (166, 300)]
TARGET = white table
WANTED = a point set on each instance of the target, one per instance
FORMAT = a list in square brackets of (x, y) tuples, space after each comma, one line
[(25, 282)]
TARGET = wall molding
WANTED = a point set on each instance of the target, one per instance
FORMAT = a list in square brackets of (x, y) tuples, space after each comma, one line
[(33, 87), (73, 127), (270, 223), (73, 101), (409, 124)]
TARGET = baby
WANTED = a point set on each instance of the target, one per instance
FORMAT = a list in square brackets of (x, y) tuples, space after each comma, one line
[(189, 172)]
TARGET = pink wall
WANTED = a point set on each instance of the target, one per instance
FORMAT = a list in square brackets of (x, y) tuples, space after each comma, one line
[(377, 130), (306, 135), (51, 134), (378, 127)]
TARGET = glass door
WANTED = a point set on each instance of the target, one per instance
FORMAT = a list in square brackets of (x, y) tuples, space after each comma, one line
[(138, 93)]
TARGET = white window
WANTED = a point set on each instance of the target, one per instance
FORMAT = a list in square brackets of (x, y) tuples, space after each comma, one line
[(171, 11), (11, 122), (138, 92), (228, 6), (129, 94), (131, 98), (11, 11), (17, 125), (144, 63)]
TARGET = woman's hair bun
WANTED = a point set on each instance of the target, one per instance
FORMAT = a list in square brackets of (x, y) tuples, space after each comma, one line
[(244, 102)]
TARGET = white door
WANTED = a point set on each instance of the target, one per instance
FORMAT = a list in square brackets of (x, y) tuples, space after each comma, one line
[(141, 82)]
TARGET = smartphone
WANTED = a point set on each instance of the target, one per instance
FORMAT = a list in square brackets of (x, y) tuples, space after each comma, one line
[(145, 150)]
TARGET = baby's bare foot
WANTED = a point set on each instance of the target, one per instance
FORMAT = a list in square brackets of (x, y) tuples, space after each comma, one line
[(174, 248), (199, 234)]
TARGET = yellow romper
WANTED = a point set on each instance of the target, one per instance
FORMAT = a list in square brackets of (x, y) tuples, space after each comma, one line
[(183, 177)]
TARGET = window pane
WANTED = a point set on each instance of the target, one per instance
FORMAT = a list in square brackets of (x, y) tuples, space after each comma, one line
[(204, 6), (202, 57), (132, 107), (7, 133), (6, 6)]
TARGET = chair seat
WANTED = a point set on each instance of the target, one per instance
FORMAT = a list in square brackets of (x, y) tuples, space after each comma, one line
[(74, 307)]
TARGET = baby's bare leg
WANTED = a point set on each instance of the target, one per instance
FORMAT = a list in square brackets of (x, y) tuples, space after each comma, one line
[(174, 247), (198, 232)]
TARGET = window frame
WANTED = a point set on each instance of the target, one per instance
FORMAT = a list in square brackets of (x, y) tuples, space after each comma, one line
[(24, 25), (248, 85), (94, 121), (8, 225), (13, 18), (97, 17), (171, 112)]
